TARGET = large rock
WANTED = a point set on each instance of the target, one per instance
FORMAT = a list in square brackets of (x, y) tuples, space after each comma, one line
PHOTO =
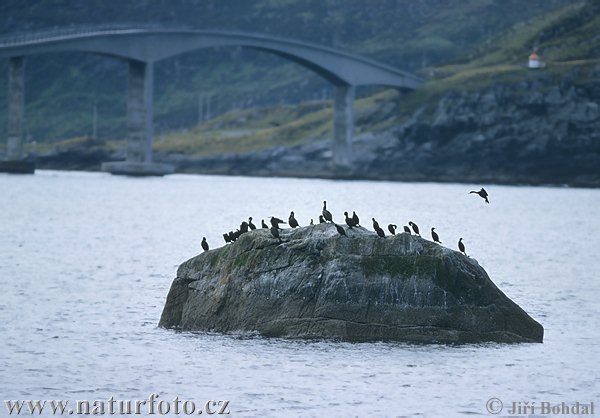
[(317, 284)]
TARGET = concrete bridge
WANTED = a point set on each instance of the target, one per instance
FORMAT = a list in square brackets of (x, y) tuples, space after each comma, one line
[(142, 47)]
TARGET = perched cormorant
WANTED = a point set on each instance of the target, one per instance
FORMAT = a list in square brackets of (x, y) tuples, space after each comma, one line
[(232, 236), (461, 246), (321, 219), (340, 229), (275, 232), (250, 224), (375, 224), (392, 229), (311, 221), (263, 224), (482, 193), (435, 236), (204, 244), (349, 221), (407, 230), (292, 221), (326, 214), (380, 232), (276, 221), (414, 227), (243, 227), (226, 238), (355, 218)]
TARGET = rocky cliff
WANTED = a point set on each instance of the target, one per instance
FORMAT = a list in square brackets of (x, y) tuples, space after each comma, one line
[(541, 129), (318, 284)]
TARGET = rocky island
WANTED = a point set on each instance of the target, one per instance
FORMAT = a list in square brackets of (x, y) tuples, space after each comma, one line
[(318, 284)]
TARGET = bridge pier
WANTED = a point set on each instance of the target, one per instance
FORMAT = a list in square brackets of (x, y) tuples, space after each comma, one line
[(140, 130), (16, 110), (343, 126)]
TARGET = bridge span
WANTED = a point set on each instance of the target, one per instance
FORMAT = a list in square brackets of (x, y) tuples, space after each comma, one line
[(142, 47)]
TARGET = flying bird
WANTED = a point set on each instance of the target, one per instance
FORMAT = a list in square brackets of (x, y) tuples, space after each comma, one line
[(482, 193), (435, 236)]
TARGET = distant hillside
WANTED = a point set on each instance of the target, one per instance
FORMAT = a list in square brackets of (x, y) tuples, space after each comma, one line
[(62, 89), (483, 118), (568, 40)]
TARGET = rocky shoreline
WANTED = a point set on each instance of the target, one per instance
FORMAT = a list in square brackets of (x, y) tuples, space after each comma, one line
[(542, 130)]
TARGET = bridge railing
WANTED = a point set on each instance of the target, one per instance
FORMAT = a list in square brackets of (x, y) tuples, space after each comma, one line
[(19, 38)]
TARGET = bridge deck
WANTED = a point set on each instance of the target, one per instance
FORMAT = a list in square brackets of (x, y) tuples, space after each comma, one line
[(154, 44)]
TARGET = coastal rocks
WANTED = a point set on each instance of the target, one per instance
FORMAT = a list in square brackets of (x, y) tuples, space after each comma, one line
[(536, 129), (542, 130), (317, 284)]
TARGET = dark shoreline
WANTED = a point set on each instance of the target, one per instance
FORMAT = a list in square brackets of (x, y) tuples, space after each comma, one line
[(44, 164)]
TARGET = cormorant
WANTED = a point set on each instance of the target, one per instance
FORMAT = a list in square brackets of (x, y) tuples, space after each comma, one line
[(435, 236), (204, 244), (392, 229), (243, 227), (380, 232), (340, 229), (407, 230), (275, 232), (375, 224), (226, 238), (321, 219), (292, 221), (349, 221), (482, 193), (355, 218), (263, 224), (232, 236), (414, 227), (250, 224), (276, 221), (461, 247), (311, 221), (326, 214)]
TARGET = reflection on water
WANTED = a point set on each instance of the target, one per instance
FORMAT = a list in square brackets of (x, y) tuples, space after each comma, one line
[(86, 261)]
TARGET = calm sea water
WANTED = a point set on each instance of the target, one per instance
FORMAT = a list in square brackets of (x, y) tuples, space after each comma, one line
[(86, 261)]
